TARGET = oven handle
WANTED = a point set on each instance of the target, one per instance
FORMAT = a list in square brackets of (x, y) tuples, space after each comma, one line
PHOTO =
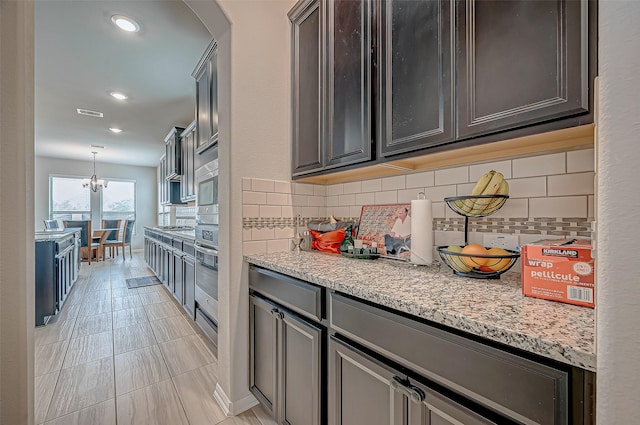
[(208, 251)]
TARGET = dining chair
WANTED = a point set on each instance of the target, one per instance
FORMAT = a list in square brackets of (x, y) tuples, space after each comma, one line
[(118, 236), (87, 246), (51, 224)]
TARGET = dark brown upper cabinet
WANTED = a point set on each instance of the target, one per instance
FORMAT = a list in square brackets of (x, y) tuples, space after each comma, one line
[(415, 74), (520, 62), (306, 51), (347, 137), (206, 76)]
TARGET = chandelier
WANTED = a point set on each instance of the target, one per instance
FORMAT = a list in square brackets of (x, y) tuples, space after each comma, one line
[(94, 183)]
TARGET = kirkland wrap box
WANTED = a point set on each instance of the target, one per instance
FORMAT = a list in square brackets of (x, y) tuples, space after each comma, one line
[(559, 270)]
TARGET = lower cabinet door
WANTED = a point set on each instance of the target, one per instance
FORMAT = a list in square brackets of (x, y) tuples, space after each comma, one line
[(364, 390), (301, 368), (178, 277), (263, 333), (189, 277)]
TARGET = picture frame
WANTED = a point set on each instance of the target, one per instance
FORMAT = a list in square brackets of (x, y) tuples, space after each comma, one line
[(385, 225)]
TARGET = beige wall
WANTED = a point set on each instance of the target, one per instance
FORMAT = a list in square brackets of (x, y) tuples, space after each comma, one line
[(16, 213), (146, 188)]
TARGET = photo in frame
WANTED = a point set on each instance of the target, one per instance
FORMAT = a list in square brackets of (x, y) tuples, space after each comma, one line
[(389, 226)]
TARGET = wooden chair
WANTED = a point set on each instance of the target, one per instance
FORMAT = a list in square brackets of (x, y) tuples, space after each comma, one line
[(116, 238), (87, 246), (126, 240)]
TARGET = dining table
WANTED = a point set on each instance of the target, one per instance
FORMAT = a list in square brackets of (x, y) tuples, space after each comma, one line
[(100, 236)]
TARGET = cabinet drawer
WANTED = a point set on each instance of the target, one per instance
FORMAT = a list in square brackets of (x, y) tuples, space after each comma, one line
[(188, 248), (529, 392), (299, 296), (177, 243)]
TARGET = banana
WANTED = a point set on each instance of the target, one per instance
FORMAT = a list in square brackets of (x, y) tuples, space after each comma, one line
[(492, 188), (468, 205), (496, 202), (504, 188)]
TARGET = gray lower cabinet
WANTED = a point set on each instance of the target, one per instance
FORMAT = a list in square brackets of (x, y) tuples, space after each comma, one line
[(178, 276), (189, 277), (364, 390), (285, 363)]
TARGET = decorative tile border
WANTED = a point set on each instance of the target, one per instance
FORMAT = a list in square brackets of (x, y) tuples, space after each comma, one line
[(527, 226)]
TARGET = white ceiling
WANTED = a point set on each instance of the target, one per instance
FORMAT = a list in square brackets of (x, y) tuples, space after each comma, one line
[(80, 57)]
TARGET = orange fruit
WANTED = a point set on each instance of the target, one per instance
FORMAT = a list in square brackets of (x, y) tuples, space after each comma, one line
[(498, 264), (476, 249)]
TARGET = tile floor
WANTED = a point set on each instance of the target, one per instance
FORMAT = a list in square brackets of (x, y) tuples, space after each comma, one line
[(126, 356)]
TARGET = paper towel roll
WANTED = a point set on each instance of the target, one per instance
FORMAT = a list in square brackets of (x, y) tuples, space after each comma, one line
[(421, 232)]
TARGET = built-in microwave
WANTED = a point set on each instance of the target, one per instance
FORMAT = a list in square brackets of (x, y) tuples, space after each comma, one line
[(207, 200)]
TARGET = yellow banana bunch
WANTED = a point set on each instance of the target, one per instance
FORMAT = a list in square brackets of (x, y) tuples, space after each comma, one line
[(491, 183)]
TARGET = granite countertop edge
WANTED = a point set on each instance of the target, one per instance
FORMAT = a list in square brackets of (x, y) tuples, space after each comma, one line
[(57, 235), (516, 331)]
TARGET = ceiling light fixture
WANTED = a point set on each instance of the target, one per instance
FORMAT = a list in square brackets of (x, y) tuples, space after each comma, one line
[(94, 183), (125, 24), (119, 96), (115, 130)]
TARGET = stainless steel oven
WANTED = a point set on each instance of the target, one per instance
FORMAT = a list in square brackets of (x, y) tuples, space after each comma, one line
[(206, 247)]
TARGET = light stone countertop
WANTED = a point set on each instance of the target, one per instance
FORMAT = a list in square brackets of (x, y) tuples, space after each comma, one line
[(55, 235), (492, 309), (187, 235)]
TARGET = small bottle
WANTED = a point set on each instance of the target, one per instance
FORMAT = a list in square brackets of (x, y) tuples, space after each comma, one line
[(374, 247)]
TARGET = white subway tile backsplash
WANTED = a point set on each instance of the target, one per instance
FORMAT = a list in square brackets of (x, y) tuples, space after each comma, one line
[(353, 187), (261, 234), (262, 185), (591, 211), (355, 211), (259, 198), (438, 193), (476, 171), (405, 196), (333, 200), (464, 189), (420, 179), (567, 206), (310, 212), (302, 188), (278, 245), (542, 165), (579, 161), (254, 247), (365, 199), (246, 234), (283, 233), (278, 199), (437, 209), (287, 211), (452, 176), (346, 200), (532, 187), (335, 189), (390, 197), (270, 211), (570, 184), (317, 201), (282, 186), (300, 200), (393, 183), (514, 208), (319, 190), (246, 183), (341, 212), (323, 212), (251, 211), (374, 185), (447, 238)]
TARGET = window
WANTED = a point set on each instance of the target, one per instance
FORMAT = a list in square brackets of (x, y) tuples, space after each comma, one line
[(68, 200), (119, 201)]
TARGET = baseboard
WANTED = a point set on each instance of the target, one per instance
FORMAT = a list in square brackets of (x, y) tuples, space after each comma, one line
[(233, 408)]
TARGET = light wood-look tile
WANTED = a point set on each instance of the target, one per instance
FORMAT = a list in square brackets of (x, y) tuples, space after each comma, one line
[(69, 312), (157, 404), (246, 418), (100, 414), (195, 389), (119, 285), (89, 348), (53, 332), (185, 354), (149, 288), (161, 310), (82, 386), (124, 303), (76, 296), (129, 317), (133, 337), (43, 390), (154, 297), (87, 325), (96, 307), (171, 328), (122, 292), (103, 294), (139, 368), (49, 358)]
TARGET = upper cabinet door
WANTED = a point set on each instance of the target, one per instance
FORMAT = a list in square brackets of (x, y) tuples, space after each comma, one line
[(203, 132), (306, 89), (213, 96), (348, 102), (415, 82), (206, 76), (520, 62)]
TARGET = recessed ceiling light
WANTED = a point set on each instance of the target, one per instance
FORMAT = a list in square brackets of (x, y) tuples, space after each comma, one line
[(125, 24), (115, 130), (119, 96)]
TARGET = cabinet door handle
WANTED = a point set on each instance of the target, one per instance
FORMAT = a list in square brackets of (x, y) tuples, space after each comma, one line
[(416, 394), (403, 385), (281, 315), (274, 311)]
